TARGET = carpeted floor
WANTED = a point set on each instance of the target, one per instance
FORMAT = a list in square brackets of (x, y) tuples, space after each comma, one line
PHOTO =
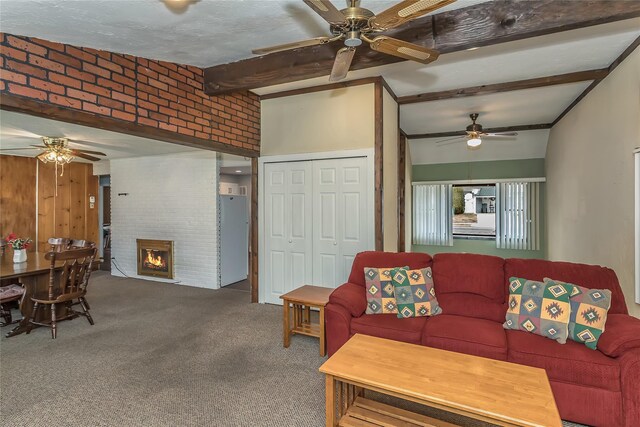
[(162, 355)]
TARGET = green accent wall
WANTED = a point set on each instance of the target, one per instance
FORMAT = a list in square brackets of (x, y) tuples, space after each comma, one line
[(497, 169)]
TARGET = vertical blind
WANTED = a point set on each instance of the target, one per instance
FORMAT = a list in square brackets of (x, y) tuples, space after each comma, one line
[(432, 214), (518, 215)]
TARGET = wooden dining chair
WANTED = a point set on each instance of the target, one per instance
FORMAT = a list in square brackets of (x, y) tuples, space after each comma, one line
[(59, 244), (76, 244), (9, 295), (65, 286)]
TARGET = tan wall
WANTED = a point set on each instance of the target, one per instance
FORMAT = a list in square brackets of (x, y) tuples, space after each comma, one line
[(590, 176), (390, 171), (331, 120)]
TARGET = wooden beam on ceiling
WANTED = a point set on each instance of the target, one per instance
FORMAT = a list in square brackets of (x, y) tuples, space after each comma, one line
[(483, 24), (489, 130), (579, 76)]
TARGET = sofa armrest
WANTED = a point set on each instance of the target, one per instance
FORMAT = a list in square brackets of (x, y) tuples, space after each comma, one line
[(351, 297), (630, 378), (621, 334)]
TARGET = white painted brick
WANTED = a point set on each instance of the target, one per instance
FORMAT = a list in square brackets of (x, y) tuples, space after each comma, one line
[(170, 197)]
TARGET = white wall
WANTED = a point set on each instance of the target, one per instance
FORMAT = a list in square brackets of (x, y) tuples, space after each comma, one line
[(330, 120), (170, 197), (390, 136), (590, 174)]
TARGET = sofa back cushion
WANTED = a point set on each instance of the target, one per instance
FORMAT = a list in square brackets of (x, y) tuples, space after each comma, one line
[(588, 276), (470, 285), (414, 260)]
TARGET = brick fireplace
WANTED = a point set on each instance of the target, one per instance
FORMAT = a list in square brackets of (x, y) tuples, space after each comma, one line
[(155, 258)]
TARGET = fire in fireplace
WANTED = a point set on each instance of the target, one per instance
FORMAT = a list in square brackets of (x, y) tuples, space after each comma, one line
[(155, 258)]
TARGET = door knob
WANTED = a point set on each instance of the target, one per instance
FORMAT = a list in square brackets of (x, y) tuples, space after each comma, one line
[(335, 243), (290, 240)]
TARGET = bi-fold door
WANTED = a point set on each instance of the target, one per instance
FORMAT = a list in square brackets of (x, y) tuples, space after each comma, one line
[(316, 219)]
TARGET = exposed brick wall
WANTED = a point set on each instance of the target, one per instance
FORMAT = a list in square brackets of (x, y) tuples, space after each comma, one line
[(147, 92)]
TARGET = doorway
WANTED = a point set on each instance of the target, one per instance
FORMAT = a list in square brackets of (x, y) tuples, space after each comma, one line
[(235, 206)]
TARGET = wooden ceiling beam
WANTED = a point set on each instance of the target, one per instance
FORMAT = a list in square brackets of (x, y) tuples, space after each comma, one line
[(579, 76), (483, 24), (489, 130)]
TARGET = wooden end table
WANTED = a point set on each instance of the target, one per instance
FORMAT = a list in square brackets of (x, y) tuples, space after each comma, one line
[(302, 300)]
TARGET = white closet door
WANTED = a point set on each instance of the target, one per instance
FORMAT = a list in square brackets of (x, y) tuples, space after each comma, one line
[(288, 228), (341, 220)]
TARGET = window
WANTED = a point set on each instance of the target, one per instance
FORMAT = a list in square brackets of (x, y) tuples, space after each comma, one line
[(508, 212), (474, 211)]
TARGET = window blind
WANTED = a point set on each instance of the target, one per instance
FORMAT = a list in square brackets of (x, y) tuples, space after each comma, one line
[(432, 214), (518, 215)]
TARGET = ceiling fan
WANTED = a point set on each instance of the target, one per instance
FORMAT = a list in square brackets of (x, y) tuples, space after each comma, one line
[(56, 149), (475, 134), (355, 25)]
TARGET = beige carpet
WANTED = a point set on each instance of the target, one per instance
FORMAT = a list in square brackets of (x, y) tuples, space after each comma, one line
[(162, 355)]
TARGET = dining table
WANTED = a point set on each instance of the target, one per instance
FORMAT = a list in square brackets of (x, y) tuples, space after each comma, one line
[(33, 275)]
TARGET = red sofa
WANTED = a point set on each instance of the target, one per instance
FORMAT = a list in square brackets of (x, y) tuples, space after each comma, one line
[(595, 387)]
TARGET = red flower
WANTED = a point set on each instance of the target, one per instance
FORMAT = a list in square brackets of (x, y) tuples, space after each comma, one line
[(11, 237)]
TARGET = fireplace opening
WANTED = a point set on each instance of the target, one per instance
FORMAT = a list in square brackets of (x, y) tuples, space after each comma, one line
[(155, 258)]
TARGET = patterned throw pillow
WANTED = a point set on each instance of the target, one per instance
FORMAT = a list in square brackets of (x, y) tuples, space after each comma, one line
[(538, 307), (589, 309), (415, 294), (380, 299)]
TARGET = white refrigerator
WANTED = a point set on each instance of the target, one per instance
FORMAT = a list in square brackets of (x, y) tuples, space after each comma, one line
[(234, 239)]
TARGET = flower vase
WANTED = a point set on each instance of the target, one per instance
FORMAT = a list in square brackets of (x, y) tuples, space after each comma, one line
[(19, 255)]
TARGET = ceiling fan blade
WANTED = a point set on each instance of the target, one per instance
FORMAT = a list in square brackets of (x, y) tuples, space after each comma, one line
[(84, 156), (278, 48), (499, 135), (19, 148), (404, 49), (342, 63), (448, 141), (40, 146), (327, 10), (97, 153), (405, 11)]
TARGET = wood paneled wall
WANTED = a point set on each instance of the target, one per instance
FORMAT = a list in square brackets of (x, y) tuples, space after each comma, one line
[(69, 214), (18, 196)]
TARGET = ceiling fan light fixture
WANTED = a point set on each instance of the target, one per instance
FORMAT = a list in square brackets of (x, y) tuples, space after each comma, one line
[(353, 39), (474, 142)]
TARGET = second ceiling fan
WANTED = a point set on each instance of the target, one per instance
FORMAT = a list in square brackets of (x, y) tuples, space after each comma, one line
[(355, 25)]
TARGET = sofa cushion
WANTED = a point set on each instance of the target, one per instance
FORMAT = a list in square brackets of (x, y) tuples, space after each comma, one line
[(622, 334), (384, 259), (588, 313), (379, 290), (540, 308), (478, 279), (389, 326), (478, 337), (589, 276), (571, 362), (414, 293)]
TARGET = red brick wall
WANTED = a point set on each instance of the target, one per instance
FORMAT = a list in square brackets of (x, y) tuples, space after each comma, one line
[(143, 91)]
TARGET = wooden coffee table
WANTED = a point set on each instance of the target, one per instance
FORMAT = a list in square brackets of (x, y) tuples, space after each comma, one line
[(302, 300), (501, 393)]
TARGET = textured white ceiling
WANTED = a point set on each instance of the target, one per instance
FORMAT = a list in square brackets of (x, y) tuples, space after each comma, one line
[(208, 32), (21, 130), (520, 107)]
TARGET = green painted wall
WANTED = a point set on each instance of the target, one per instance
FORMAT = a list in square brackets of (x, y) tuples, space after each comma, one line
[(499, 169)]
